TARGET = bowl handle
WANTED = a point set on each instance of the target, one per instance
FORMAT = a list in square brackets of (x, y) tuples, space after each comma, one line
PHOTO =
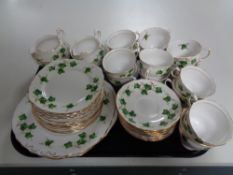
[(192, 99), (204, 53)]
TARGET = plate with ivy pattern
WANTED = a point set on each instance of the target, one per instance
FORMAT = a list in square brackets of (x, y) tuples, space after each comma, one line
[(148, 105), (65, 86), (53, 145)]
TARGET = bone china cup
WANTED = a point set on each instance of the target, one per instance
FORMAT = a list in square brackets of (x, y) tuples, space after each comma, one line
[(49, 48), (155, 37), (155, 63), (122, 39), (188, 52), (210, 124), (194, 83)]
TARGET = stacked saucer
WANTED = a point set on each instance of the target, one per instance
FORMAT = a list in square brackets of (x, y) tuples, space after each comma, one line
[(148, 110), (67, 95)]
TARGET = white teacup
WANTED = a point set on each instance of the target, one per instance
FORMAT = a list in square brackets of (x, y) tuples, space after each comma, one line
[(188, 52), (194, 83), (209, 126), (49, 48), (120, 64), (90, 49), (155, 37), (122, 39), (155, 64)]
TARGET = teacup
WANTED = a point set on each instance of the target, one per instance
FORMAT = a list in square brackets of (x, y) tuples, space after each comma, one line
[(49, 48), (90, 49), (155, 64), (188, 52), (205, 125), (120, 65), (155, 37), (193, 83), (122, 39)]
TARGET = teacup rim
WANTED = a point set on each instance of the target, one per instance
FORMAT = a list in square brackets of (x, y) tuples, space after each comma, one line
[(188, 40), (167, 66), (220, 108), (117, 50), (210, 78), (111, 35)]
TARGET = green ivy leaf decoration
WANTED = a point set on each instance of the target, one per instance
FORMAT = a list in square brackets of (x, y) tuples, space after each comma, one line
[(37, 92), (44, 79), (128, 92), (28, 135), (88, 97), (69, 106), (23, 126), (106, 101), (87, 70), (131, 120), (95, 80), (51, 106), (55, 57), (92, 136), (125, 111), (146, 36), (32, 126), (183, 46), (175, 106), (62, 50), (42, 100), (22, 117), (60, 71), (81, 141), (147, 87), (147, 124), (122, 101), (102, 118), (48, 142), (82, 135), (51, 98), (159, 72), (51, 68), (73, 63), (62, 65), (166, 112), (132, 113), (163, 123), (137, 85), (144, 92), (171, 116), (68, 144), (158, 90), (167, 98), (194, 61)]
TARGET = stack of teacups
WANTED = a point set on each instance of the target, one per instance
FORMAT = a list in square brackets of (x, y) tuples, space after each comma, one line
[(148, 110), (67, 95), (205, 125)]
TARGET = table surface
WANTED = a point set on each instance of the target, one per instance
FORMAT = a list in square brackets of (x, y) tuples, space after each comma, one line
[(23, 21)]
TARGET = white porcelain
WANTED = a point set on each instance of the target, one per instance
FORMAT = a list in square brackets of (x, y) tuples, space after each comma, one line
[(122, 39), (53, 145), (155, 63), (90, 49), (211, 122), (49, 48), (148, 105), (62, 86), (155, 37), (187, 52)]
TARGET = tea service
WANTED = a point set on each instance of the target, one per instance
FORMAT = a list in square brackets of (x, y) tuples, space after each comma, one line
[(70, 106)]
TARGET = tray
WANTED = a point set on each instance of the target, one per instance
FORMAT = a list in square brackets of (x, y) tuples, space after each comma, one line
[(119, 143)]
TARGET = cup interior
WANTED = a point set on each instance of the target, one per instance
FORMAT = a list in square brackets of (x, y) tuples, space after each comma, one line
[(47, 43), (119, 61), (121, 39), (184, 48), (86, 45), (197, 81), (210, 122), (156, 58), (154, 38)]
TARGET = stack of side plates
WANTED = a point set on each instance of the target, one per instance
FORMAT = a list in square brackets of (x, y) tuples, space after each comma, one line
[(148, 110), (67, 95)]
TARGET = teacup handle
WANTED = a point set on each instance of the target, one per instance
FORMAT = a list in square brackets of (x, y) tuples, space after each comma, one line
[(204, 53), (192, 99), (137, 35), (60, 35), (168, 80), (97, 35), (175, 72)]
